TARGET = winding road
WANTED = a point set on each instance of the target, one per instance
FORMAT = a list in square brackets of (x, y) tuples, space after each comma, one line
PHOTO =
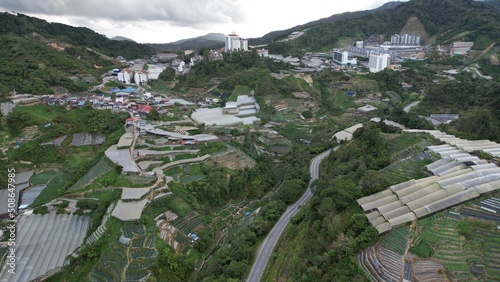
[(267, 246)]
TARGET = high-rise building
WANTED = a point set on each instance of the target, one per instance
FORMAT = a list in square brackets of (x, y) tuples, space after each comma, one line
[(405, 40), (234, 42), (378, 62)]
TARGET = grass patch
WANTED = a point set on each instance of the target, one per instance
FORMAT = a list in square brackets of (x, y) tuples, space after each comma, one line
[(113, 179), (43, 177), (54, 189)]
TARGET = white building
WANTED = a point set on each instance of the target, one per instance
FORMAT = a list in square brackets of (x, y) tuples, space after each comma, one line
[(405, 40), (378, 62), (154, 71), (125, 76), (359, 44), (234, 42), (342, 57), (263, 53), (141, 77), (461, 48)]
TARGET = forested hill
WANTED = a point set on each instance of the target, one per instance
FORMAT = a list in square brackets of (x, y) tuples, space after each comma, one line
[(22, 25), (444, 20), (38, 57), (281, 34)]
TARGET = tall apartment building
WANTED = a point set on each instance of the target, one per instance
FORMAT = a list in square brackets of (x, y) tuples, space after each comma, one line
[(378, 62), (405, 40), (234, 42)]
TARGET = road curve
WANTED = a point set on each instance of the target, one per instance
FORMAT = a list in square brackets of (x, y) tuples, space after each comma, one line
[(268, 244)]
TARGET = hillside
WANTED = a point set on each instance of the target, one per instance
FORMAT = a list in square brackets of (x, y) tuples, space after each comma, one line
[(22, 25), (280, 34), (477, 22), (37, 55), (211, 40)]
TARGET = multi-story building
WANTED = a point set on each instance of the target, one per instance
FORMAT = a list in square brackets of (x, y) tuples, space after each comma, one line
[(342, 57), (234, 42), (378, 61), (141, 77), (125, 76), (405, 40)]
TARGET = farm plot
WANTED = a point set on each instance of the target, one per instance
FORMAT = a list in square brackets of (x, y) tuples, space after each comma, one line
[(116, 265), (43, 177), (232, 160), (95, 172), (83, 139), (428, 270), (442, 235), (405, 169), (187, 223), (488, 243), (382, 264), (396, 240), (139, 180)]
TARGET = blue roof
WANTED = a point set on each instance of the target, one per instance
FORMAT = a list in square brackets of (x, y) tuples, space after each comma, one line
[(81, 103), (126, 90), (248, 213), (194, 235)]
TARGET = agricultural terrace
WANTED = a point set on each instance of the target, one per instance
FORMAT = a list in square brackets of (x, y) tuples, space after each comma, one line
[(101, 168), (437, 236), (407, 157), (396, 240), (129, 259), (382, 264)]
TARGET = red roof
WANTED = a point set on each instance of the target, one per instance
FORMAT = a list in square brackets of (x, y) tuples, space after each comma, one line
[(130, 119)]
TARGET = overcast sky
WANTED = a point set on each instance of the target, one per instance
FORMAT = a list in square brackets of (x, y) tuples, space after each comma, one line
[(162, 21)]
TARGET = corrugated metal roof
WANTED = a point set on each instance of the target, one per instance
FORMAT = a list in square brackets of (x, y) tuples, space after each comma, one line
[(402, 219), (389, 206), (420, 193), (488, 187), (372, 215), (379, 202), (402, 185), (383, 227), (397, 212), (374, 197)]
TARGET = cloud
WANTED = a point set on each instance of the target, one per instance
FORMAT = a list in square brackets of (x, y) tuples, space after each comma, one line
[(177, 13)]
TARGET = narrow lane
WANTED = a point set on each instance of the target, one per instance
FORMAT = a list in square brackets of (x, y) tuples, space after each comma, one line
[(269, 243)]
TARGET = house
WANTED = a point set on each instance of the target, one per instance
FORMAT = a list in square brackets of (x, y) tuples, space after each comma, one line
[(263, 53), (125, 76), (141, 77), (157, 99), (163, 57), (130, 121)]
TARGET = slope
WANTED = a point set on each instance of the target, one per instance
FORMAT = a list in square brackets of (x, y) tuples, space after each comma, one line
[(24, 25), (280, 34), (444, 20)]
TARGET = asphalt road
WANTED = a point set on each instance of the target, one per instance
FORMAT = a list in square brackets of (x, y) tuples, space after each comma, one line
[(267, 246)]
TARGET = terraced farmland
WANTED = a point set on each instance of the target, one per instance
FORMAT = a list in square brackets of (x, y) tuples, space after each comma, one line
[(488, 243), (441, 234), (95, 172), (188, 223), (404, 170), (127, 262), (383, 264), (396, 240)]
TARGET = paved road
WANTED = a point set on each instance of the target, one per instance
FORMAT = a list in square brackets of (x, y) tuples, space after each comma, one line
[(267, 246)]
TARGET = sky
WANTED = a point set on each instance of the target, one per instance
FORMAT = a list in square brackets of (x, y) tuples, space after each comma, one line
[(163, 21)]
